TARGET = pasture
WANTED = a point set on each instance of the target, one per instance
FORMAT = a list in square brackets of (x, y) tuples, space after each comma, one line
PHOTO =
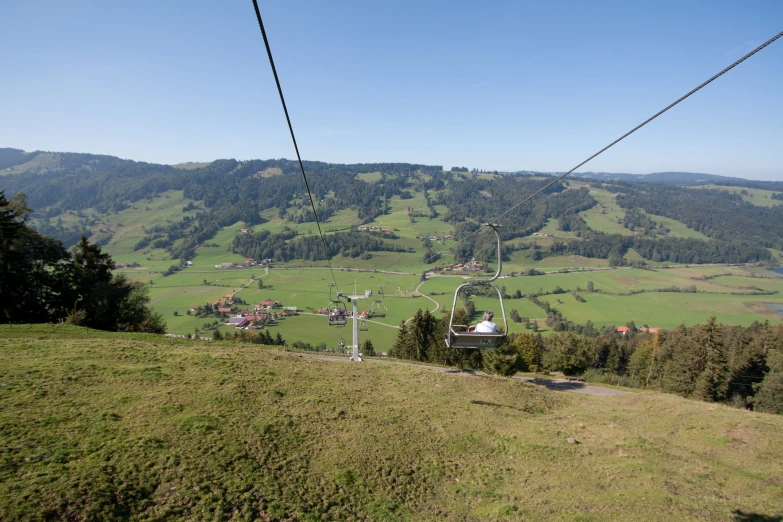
[(106, 426)]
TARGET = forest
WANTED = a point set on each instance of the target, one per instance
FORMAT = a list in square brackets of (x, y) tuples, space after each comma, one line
[(739, 366), (42, 282), (225, 192)]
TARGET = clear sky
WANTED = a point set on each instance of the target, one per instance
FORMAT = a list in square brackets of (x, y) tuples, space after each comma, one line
[(494, 85)]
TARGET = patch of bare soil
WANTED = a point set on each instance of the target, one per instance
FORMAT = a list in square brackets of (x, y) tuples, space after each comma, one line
[(739, 436), (761, 308)]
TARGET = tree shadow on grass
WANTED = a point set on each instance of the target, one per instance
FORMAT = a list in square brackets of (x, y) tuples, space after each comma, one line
[(469, 372), (485, 403), (742, 516), (558, 385)]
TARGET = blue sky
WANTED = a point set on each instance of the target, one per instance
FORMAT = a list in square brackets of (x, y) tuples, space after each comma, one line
[(495, 85)]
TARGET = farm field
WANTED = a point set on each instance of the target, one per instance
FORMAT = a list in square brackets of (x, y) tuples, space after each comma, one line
[(114, 426), (726, 294), (758, 197)]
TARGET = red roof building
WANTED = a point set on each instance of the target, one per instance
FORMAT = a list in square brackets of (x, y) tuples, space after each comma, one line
[(623, 330), (224, 310)]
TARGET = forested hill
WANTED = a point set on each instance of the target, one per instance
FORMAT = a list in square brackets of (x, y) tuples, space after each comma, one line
[(70, 193), (682, 179)]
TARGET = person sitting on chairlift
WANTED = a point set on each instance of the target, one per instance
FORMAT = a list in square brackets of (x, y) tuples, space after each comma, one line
[(487, 326)]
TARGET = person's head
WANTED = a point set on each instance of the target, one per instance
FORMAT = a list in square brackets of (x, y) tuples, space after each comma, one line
[(488, 315)]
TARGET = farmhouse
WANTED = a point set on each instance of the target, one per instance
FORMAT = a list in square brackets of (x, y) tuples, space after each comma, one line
[(224, 310), (268, 303), (623, 330)]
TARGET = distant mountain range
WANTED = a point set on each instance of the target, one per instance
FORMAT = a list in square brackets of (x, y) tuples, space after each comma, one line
[(672, 178), (37, 162)]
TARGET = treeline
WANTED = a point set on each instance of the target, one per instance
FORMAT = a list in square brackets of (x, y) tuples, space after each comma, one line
[(474, 202), (715, 213), (40, 281), (286, 246), (659, 249), (741, 366)]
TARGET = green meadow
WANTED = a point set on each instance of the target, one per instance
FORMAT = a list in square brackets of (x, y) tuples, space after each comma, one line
[(305, 284), (758, 197), (102, 426)]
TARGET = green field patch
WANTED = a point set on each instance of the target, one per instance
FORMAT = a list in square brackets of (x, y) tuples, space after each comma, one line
[(45, 161), (678, 228), (270, 172), (758, 197), (662, 309), (605, 215), (552, 227), (369, 177), (191, 165)]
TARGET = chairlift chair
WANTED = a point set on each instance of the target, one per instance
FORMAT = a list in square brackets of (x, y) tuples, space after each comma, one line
[(459, 335), (337, 311), (376, 308)]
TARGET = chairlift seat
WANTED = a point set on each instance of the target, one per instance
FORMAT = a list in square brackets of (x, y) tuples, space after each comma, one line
[(468, 339), (337, 318)]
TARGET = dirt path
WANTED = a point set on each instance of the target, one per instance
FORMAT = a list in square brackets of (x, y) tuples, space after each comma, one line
[(437, 304), (550, 384)]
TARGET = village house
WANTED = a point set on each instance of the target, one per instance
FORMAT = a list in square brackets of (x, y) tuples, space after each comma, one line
[(448, 236), (224, 310), (268, 304), (322, 311), (623, 330)]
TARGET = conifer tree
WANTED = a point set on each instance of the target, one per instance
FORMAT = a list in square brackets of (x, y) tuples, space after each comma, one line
[(712, 383)]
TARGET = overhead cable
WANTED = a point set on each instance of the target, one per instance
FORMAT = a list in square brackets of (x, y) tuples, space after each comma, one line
[(618, 140), (293, 138)]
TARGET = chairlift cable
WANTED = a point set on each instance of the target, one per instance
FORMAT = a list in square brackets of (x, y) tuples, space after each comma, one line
[(618, 140), (293, 138)]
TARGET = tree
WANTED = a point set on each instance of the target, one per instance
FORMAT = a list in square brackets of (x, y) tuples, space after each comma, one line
[(569, 353), (769, 397), (590, 286), (503, 360), (217, 336), (514, 315), (260, 283), (712, 383), (368, 349), (529, 348)]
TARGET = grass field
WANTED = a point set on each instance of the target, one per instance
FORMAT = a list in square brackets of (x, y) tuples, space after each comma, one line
[(307, 289), (99, 426), (758, 197)]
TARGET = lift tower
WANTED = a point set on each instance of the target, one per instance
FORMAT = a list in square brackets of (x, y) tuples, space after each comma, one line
[(353, 299)]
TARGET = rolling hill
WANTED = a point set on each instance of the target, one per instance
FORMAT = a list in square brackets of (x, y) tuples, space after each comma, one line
[(108, 426)]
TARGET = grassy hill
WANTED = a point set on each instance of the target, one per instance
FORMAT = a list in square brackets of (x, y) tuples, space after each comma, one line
[(99, 426)]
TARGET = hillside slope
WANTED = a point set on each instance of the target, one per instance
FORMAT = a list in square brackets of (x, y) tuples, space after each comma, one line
[(101, 426)]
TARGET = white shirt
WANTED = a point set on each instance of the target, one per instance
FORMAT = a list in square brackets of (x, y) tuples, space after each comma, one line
[(487, 327)]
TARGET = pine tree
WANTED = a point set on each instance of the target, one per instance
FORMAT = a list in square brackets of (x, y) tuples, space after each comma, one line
[(368, 350), (712, 383)]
